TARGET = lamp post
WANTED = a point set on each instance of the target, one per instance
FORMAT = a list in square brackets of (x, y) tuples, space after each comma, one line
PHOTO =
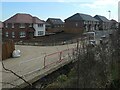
[(109, 21), (109, 14)]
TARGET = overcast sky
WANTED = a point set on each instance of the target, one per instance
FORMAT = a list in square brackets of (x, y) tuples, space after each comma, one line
[(44, 9)]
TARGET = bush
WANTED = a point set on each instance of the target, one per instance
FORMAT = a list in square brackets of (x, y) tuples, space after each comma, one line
[(72, 73), (53, 85), (62, 78)]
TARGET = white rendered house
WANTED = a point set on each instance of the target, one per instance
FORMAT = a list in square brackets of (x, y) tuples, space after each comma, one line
[(39, 27)]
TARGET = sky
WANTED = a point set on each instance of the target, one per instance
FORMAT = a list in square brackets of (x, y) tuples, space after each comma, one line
[(58, 8)]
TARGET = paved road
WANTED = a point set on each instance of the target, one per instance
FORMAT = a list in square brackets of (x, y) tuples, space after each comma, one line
[(101, 33), (32, 59)]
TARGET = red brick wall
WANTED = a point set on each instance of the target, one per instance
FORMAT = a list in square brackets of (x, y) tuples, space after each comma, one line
[(17, 30), (70, 27)]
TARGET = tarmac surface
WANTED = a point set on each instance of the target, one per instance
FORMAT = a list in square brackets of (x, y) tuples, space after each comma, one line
[(31, 63)]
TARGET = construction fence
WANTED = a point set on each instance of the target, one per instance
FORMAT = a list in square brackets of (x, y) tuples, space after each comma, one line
[(7, 48)]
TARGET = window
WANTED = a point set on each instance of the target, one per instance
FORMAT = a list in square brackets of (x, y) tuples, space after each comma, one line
[(76, 24), (22, 34), (13, 34), (12, 25), (40, 33), (85, 22), (6, 25), (6, 34), (30, 25), (40, 25), (22, 25)]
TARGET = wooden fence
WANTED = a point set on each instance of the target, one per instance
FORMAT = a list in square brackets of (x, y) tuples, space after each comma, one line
[(7, 48)]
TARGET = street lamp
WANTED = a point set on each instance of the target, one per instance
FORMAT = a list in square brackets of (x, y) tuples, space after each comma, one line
[(109, 19), (109, 14)]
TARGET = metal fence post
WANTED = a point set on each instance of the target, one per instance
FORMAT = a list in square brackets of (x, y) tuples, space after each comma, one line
[(44, 61), (60, 57)]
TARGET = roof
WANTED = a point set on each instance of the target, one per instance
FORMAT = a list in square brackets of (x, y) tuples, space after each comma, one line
[(37, 20), (1, 24), (55, 21), (79, 16), (114, 21), (47, 24), (101, 18), (23, 18)]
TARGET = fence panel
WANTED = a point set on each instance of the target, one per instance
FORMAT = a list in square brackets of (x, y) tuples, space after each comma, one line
[(7, 48)]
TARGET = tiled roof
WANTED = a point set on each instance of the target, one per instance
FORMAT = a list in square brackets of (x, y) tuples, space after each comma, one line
[(101, 18), (79, 16), (37, 20), (113, 21), (23, 18), (55, 21)]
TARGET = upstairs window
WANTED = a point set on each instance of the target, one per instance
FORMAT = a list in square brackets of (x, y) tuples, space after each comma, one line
[(76, 24), (30, 25), (6, 25), (85, 22), (22, 25), (22, 34), (40, 25), (12, 25)]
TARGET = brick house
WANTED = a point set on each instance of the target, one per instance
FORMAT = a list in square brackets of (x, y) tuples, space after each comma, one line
[(113, 24), (79, 23), (1, 25), (104, 23), (23, 26), (54, 25)]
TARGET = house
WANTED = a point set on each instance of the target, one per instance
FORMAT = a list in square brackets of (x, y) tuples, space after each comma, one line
[(113, 24), (104, 23), (79, 23), (54, 25), (1, 25), (23, 26)]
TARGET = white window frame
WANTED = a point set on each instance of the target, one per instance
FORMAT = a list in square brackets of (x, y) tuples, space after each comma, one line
[(40, 34), (12, 25), (6, 34), (13, 34), (22, 25), (22, 34), (6, 25), (30, 25), (40, 25)]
